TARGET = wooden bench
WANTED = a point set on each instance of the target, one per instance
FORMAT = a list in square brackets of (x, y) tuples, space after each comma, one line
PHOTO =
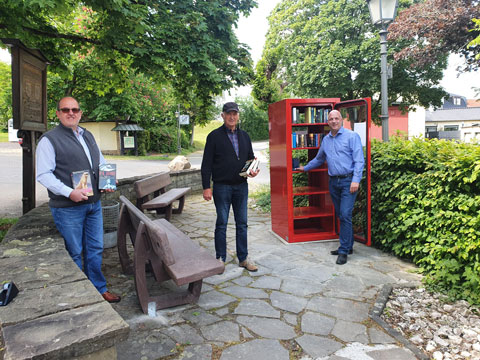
[(151, 195), (167, 252)]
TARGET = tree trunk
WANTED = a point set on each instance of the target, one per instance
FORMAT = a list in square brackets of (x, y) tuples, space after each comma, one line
[(193, 132)]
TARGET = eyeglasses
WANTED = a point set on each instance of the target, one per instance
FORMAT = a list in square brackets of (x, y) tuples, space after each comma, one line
[(67, 110)]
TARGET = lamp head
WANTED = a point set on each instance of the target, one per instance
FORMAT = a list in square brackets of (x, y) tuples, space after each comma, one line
[(382, 11)]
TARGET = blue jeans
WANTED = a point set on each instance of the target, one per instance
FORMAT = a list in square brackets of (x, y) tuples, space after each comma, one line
[(82, 230), (343, 202), (237, 197)]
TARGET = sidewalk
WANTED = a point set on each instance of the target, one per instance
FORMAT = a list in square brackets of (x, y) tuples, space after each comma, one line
[(299, 305)]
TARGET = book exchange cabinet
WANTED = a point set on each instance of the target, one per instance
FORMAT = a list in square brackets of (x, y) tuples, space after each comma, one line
[(302, 209)]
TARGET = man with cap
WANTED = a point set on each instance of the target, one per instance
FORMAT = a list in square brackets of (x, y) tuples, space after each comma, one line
[(226, 151)]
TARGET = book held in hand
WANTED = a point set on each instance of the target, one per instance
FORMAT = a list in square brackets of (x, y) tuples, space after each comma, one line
[(249, 167), (108, 177), (81, 180)]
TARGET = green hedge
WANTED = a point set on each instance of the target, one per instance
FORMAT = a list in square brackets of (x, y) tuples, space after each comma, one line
[(426, 207), (161, 139)]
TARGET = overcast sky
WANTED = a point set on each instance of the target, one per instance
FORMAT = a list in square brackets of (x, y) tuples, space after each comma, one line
[(252, 31)]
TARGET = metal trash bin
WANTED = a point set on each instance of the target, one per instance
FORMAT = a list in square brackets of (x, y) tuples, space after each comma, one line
[(110, 211)]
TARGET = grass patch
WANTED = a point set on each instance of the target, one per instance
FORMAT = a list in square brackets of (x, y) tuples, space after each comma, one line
[(3, 137), (199, 139), (6, 224), (145, 157), (200, 136), (261, 198)]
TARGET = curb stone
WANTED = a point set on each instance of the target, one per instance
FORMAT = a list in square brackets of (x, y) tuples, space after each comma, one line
[(376, 312)]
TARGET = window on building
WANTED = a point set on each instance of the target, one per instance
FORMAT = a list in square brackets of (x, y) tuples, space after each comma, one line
[(450, 128), (430, 128), (457, 101)]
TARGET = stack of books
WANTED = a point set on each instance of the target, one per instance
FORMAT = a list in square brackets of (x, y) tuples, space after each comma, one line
[(302, 139), (309, 115), (250, 166)]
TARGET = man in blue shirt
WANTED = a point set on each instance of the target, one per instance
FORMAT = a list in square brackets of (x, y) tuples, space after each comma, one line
[(77, 213), (342, 150)]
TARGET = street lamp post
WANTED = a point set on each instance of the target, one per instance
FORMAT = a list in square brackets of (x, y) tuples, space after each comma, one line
[(382, 13), (177, 115)]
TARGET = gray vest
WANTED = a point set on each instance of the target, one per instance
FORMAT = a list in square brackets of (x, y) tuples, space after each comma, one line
[(70, 157)]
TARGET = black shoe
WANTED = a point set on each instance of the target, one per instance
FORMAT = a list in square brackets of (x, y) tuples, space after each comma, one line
[(335, 252), (342, 259)]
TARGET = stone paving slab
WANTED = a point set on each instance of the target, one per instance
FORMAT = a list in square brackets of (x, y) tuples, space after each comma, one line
[(256, 349), (256, 308), (267, 328)]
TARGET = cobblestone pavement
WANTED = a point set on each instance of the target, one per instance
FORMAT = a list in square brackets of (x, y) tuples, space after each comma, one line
[(299, 305)]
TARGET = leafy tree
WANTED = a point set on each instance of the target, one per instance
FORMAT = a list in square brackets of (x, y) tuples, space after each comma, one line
[(5, 95), (331, 49), (438, 28), (191, 44), (252, 119)]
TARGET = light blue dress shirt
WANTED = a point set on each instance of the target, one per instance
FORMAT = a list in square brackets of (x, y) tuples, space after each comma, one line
[(46, 164), (343, 154)]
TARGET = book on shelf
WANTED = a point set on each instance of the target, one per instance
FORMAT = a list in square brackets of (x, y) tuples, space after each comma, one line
[(82, 180), (295, 115), (319, 116), (295, 163), (308, 115), (301, 139), (108, 177), (311, 140), (250, 167)]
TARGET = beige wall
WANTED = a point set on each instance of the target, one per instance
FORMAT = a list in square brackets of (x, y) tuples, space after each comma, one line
[(107, 140)]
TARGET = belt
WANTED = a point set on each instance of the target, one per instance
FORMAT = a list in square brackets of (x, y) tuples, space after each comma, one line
[(342, 176)]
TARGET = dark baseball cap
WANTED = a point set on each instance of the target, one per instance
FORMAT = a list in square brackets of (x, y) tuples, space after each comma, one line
[(230, 106)]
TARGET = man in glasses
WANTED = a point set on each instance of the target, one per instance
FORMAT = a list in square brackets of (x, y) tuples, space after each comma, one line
[(226, 151), (61, 153), (342, 150)]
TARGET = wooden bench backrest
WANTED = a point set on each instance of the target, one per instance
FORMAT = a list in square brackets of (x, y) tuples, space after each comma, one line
[(151, 184), (157, 236)]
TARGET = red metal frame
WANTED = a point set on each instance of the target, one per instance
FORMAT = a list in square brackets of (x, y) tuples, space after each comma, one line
[(317, 221)]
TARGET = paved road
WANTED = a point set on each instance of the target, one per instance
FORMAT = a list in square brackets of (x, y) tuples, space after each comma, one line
[(11, 174)]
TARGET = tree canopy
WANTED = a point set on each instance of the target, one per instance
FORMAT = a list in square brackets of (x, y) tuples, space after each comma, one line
[(5, 94), (436, 28), (330, 49), (93, 43)]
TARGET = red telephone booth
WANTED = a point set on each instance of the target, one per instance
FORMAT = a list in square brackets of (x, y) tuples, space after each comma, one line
[(301, 206)]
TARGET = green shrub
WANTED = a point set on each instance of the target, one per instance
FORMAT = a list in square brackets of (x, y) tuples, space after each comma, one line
[(6, 224), (426, 207), (252, 119), (261, 197), (161, 139)]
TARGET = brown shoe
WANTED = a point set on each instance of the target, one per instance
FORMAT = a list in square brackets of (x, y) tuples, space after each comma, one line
[(110, 297), (249, 265)]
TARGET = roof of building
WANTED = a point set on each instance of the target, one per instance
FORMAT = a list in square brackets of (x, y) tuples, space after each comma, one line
[(473, 102), (461, 114), (127, 127)]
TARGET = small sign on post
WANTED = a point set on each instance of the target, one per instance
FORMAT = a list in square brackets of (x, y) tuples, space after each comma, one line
[(184, 119), (128, 142)]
